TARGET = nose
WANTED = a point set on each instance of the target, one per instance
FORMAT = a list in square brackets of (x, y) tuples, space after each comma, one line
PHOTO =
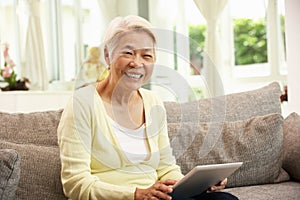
[(137, 61)]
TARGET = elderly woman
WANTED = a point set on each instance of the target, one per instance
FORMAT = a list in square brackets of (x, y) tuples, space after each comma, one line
[(113, 135)]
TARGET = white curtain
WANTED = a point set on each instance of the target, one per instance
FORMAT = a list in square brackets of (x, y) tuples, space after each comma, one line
[(108, 10), (33, 59), (211, 11)]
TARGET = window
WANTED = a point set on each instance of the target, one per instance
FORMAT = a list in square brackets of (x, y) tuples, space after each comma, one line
[(197, 34), (250, 35), (197, 31), (76, 32), (68, 29), (8, 30), (258, 32), (252, 43)]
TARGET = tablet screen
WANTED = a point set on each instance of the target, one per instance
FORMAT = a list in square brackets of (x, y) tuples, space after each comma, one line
[(202, 177)]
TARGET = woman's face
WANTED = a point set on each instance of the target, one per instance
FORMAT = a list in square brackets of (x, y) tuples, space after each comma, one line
[(131, 62)]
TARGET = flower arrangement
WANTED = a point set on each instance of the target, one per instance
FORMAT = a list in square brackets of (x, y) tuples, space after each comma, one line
[(8, 74)]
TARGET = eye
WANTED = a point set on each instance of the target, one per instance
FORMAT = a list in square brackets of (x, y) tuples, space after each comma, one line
[(127, 52), (148, 56)]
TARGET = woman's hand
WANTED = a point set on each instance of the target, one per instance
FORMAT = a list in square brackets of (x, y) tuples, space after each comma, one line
[(157, 191), (219, 186)]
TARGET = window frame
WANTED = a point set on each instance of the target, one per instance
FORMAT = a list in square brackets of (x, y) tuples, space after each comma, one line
[(276, 66)]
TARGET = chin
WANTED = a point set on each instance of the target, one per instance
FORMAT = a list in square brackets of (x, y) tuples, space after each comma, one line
[(132, 86)]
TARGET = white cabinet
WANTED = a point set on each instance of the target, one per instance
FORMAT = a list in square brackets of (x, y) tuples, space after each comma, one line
[(33, 101)]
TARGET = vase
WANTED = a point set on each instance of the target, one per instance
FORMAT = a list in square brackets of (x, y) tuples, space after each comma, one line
[(20, 85)]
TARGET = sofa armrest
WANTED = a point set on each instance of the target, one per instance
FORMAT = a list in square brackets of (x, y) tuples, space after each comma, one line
[(291, 140)]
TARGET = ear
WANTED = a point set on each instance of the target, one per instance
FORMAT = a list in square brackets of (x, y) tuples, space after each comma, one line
[(106, 56)]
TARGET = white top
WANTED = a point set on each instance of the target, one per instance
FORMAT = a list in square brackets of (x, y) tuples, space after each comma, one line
[(133, 142)]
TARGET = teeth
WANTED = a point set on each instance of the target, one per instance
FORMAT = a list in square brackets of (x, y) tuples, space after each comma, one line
[(136, 76)]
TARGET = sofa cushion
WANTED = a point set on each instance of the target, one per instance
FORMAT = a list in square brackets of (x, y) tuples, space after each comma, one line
[(257, 142), (9, 173), (288, 191), (40, 171), (291, 135), (231, 107), (31, 128)]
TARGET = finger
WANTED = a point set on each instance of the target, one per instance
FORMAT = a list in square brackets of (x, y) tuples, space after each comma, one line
[(163, 188), (169, 182), (212, 188), (220, 187), (216, 188), (224, 182), (161, 195)]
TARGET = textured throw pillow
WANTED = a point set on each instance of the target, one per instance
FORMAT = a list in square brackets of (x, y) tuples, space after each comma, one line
[(231, 107), (291, 140), (41, 167), (256, 141), (9, 173), (31, 128)]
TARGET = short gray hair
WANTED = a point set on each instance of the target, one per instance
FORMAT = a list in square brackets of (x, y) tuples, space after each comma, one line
[(121, 25)]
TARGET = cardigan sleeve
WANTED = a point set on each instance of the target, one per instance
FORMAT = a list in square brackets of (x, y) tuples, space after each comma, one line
[(74, 139), (167, 167)]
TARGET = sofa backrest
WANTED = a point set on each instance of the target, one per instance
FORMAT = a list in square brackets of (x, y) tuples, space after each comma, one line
[(34, 137), (37, 128), (229, 107), (244, 126)]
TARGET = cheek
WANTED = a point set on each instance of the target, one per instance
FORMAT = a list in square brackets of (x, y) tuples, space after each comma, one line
[(149, 69), (119, 62)]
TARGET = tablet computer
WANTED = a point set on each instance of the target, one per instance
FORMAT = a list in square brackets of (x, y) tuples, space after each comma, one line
[(202, 177)]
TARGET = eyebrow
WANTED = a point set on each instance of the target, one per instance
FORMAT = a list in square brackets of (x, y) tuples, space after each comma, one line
[(133, 48), (128, 47)]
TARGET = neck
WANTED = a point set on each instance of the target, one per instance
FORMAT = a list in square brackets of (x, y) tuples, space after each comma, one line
[(122, 97), (114, 94)]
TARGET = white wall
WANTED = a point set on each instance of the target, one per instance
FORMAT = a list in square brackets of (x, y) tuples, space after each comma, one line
[(292, 16)]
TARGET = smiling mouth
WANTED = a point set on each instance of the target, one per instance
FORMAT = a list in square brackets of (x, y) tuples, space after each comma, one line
[(132, 75)]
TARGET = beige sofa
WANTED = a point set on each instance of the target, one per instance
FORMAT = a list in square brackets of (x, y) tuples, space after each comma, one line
[(244, 127)]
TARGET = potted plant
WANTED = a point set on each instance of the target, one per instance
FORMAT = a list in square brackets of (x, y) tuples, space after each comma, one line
[(8, 74)]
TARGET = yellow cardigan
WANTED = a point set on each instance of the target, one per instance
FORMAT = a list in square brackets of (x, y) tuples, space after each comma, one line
[(93, 164)]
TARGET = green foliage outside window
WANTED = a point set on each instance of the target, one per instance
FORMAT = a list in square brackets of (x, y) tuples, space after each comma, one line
[(282, 23), (197, 38), (250, 41)]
